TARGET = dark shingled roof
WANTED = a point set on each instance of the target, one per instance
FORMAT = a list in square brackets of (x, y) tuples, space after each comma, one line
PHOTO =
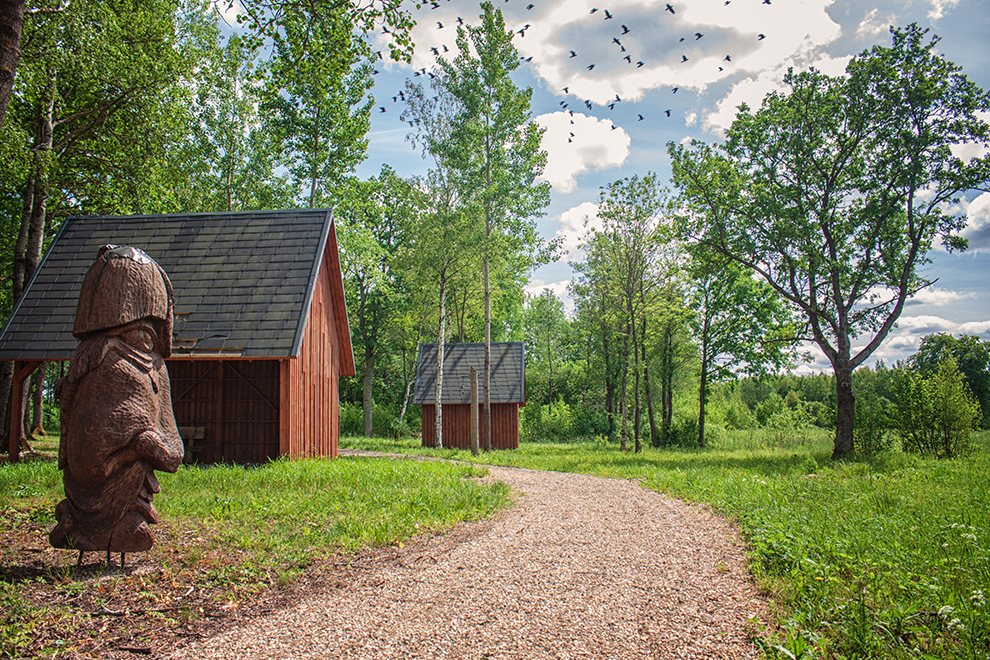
[(508, 378), (242, 281)]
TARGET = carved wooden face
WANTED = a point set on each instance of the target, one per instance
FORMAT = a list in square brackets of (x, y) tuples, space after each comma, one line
[(117, 429)]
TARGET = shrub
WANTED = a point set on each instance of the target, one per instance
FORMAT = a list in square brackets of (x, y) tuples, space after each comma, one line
[(554, 422), (934, 415), (870, 432), (770, 406)]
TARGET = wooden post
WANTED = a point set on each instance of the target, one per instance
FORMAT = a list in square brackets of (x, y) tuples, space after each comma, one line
[(474, 411)]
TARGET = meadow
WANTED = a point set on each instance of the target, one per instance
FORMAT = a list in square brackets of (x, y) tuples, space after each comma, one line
[(881, 557), (228, 536)]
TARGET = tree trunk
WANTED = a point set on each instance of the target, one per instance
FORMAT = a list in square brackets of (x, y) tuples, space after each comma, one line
[(38, 402), (30, 238), (438, 391), (845, 408), (11, 24), (368, 402), (654, 440), (623, 408), (486, 422), (609, 388), (703, 386)]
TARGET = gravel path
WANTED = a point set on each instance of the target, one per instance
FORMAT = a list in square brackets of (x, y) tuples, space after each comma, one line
[(580, 567)]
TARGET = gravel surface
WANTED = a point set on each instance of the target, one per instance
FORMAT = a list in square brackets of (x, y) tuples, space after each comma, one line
[(579, 567)]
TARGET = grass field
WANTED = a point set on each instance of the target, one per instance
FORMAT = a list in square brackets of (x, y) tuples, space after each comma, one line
[(880, 558), (227, 535)]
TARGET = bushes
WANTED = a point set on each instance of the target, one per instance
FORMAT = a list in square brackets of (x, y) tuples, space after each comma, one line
[(870, 433), (383, 419), (554, 423), (934, 415)]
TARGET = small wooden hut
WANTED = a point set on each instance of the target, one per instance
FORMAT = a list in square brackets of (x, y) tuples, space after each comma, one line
[(508, 392), (260, 336)]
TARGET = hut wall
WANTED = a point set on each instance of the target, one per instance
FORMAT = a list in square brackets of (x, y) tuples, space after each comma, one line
[(310, 418), (457, 425), (235, 401)]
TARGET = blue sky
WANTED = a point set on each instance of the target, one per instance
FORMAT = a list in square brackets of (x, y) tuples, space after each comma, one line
[(798, 33)]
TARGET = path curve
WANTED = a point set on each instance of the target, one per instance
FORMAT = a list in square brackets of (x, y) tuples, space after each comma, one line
[(579, 567)]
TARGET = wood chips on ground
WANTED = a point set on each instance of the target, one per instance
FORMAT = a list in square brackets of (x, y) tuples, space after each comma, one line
[(579, 567)]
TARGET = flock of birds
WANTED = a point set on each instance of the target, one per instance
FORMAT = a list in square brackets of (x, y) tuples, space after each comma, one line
[(626, 56)]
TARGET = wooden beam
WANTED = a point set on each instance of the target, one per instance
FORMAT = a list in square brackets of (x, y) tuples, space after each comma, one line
[(22, 371)]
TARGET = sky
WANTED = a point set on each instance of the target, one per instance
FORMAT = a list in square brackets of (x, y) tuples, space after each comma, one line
[(628, 76)]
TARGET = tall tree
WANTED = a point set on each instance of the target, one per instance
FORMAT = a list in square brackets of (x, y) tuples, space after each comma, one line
[(546, 333), (11, 24), (315, 100), (373, 217), (494, 150), (639, 253), (98, 82), (835, 191), (739, 323)]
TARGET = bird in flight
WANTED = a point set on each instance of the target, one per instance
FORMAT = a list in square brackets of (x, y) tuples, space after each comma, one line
[(640, 63), (728, 59), (670, 8), (439, 25), (698, 35), (607, 15), (590, 67), (594, 9), (684, 58), (573, 54), (625, 30), (761, 37), (530, 6), (675, 90), (667, 112), (640, 117)]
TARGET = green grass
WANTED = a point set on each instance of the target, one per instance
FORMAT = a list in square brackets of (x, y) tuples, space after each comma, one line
[(281, 517), (880, 558)]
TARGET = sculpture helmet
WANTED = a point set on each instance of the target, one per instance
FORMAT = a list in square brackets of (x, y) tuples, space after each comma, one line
[(124, 285)]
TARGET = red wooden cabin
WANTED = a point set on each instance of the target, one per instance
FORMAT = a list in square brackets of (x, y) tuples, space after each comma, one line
[(260, 337), (508, 392)]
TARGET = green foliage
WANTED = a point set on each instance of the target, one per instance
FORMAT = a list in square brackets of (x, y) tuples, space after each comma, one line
[(971, 355), (543, 423), (863, 148), (935, 415), (872, 422), (314, 99), (384, 419)]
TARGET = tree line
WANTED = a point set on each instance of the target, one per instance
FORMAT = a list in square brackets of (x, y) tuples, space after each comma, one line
[(808, 222)]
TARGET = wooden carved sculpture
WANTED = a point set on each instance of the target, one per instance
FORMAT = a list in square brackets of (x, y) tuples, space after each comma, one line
[(117, 424)]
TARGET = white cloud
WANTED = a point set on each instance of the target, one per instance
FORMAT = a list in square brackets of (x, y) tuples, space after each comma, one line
[(939, 7), (559, 289), (752, 90), (229, 10), (977, 230), (970, 150), (574, 225), (691, 119), (577, 143), (937, 297), (870, 26)]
